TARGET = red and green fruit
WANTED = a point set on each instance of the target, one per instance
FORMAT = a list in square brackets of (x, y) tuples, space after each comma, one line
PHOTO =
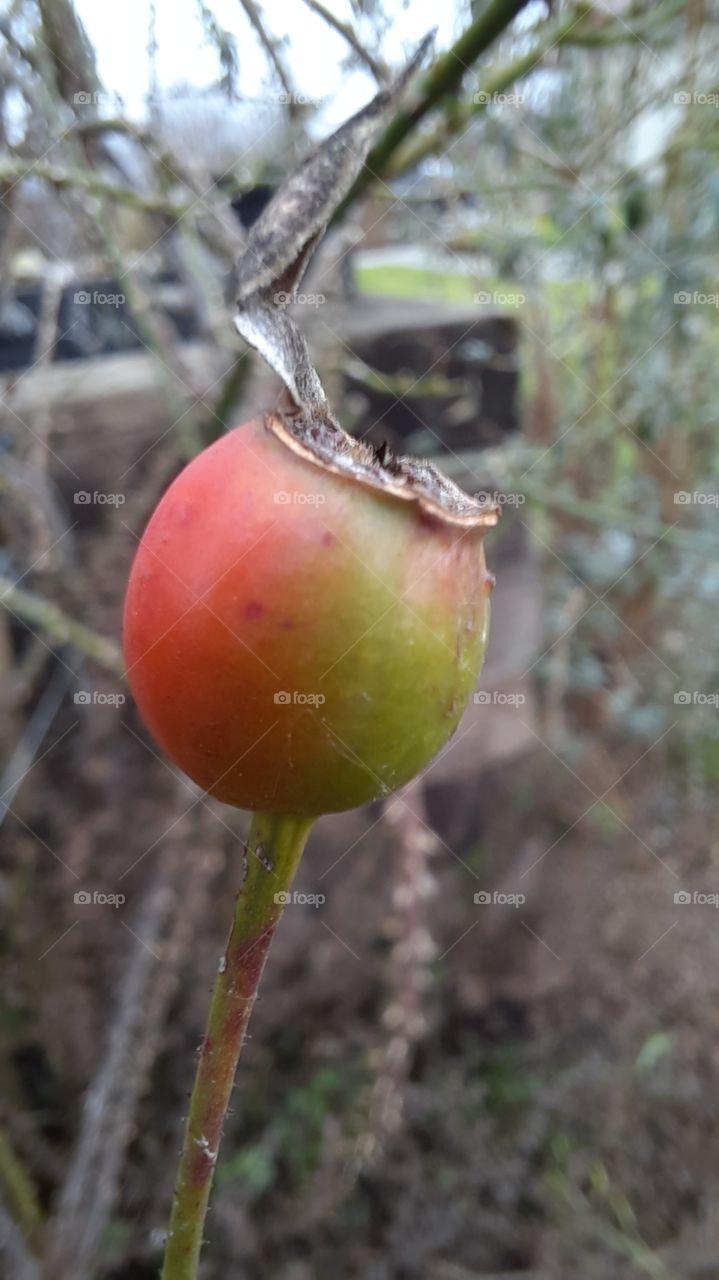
[(299, 642)]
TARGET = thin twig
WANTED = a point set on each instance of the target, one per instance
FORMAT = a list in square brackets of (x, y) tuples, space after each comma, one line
[(59, 626), (346, 30), (270, 45), (413, 951), (17, 168), (163, 928), (21, 1263)]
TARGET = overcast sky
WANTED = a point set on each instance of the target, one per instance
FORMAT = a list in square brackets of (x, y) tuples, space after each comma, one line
[(313, 52)]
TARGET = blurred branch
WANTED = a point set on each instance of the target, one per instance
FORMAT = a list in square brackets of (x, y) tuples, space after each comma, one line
[(57, 277), (164, 928), (442, 80), (71, 52), (86, 179), (13, 1247), (19, 1194), (691, 540), (156, 333), (403, 1018), (59, 627), (24, 51), (54, 692), (230, 392), (553, 37), (639, 27), (412, 844), (270, 44), (379, 69)]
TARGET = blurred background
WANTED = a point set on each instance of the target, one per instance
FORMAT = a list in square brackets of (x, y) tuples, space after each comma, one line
[(486, 1044)]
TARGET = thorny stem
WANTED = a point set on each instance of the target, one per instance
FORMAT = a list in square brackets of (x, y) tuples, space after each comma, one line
[(275, 847)]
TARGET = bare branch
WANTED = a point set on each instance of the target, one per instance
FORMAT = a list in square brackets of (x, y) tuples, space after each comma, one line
[(379, 69), (163, 931), (270, 45), (72, 55), (59, 627), (22, 1264)]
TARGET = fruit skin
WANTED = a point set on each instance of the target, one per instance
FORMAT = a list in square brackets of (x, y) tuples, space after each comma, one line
[(261, 573)]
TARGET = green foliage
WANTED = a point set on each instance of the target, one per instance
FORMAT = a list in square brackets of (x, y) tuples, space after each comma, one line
[(293, 1135), (510, 1086), (655, 1047)]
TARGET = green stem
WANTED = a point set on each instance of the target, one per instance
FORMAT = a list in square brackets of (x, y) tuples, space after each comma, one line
[(275, 847), (20, 1194)]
